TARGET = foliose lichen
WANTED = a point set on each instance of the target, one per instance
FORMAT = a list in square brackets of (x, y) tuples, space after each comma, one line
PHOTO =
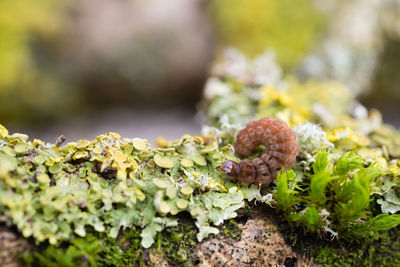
[(111, 183)]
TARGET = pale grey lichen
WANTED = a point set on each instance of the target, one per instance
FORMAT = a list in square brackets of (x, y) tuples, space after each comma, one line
[(225, 133), (310, 138), (262, 70)]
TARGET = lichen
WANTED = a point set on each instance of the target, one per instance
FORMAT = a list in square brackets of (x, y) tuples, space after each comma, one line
[(110, 183), (310, 138)]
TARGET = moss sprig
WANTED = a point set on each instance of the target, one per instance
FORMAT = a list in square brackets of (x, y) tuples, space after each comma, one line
[(335, 198)]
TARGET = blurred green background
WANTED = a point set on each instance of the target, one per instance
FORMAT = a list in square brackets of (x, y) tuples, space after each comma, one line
[(66, 67), (289, 28)]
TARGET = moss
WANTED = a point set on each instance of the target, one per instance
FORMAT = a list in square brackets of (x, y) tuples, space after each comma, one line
[(384, 251), (231, 230), (95, 249), (126, 251), (334, 199), (80, 252), (175, 243)]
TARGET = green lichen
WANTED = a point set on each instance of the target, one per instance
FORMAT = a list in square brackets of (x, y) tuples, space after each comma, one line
[(109, 184)]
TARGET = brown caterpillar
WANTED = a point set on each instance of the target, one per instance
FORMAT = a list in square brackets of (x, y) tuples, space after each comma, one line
[(281, 150)]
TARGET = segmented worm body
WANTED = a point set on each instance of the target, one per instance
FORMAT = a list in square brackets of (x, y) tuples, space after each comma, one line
[(280, 151)]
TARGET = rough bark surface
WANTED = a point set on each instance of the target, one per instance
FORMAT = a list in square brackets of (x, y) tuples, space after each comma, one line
[(261, 244)]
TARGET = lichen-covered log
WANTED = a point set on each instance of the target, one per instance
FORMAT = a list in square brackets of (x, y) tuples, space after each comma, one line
[(115, 201)]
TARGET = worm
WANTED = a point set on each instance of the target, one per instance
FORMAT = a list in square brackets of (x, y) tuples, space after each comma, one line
[(280, 151)]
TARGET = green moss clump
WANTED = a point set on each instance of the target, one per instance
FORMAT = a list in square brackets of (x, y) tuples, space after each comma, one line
[(175, 243), (334, 198), (384, 251), (231, 230), (124, 251), (80, 252), (95, 249)]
